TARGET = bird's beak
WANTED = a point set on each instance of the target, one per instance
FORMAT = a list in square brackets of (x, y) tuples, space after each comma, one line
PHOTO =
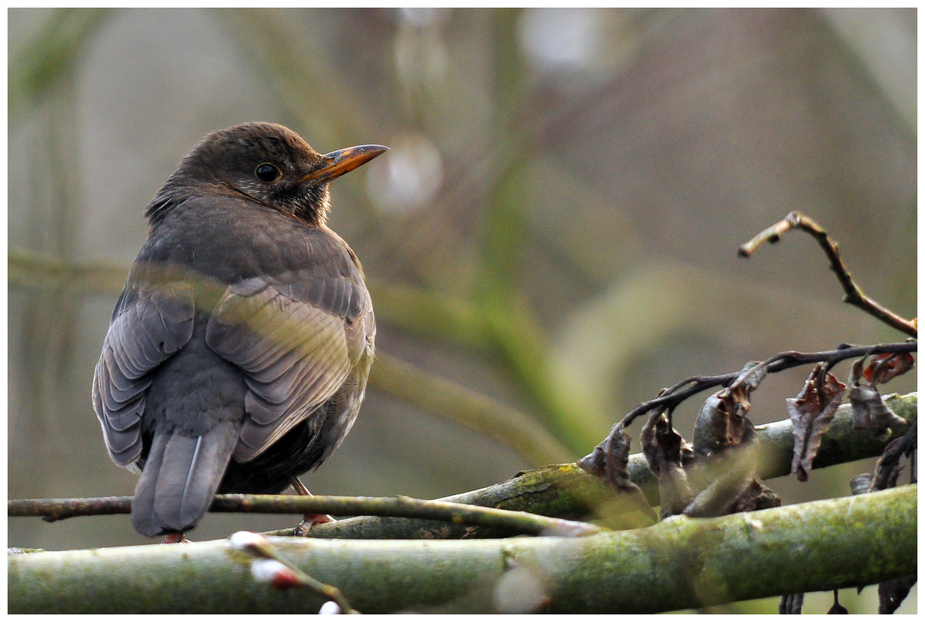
[(337, 163)]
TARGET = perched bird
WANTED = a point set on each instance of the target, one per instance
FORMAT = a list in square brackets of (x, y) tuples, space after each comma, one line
[(238, 352)]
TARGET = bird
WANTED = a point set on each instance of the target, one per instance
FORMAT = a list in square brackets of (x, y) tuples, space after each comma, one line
[(238, 353)]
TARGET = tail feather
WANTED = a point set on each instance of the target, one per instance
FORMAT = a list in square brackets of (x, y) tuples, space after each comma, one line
[(180, 478)]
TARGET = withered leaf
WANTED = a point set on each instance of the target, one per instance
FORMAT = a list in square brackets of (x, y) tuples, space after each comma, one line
[(811, 412), (662, 444), (868, 410), (887, 470), (752, 375), (609, 460), (755, 496), (595, 462), (617, 449), (860, 484), (668, 455), (884, 367), (721, 424), (617, 455), (790, 603), (893, 592)]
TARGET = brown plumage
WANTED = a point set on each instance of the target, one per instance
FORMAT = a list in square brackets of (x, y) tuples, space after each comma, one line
[(238, 352)]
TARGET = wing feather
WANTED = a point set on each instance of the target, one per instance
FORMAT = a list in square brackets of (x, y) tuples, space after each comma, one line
[(292, 337), (148, 326)]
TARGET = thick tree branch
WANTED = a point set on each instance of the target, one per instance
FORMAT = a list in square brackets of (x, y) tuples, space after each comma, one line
[(679, 563)]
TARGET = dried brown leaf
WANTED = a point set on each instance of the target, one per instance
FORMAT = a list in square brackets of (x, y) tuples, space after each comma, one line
[(755, 496), (887, 470), (884, 367), (617, 454), (893, 592), (721, 424), (668, 455), (860, 484), (609, 460), (868, 410), (595, 462), (663, 445), (811, 412), (790, 603), (741, 389)]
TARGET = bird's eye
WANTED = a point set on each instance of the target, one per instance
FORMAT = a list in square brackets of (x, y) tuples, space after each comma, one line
[(267, 172)]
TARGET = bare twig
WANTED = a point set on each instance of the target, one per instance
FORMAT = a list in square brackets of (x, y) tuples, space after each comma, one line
[(261, 548), (676, 394), (519, 522), (853, 293)]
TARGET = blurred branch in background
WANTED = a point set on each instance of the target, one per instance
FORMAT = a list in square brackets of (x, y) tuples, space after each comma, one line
[(297, 69), (29, 270), (35, 68), (864, 32), (457, 403)]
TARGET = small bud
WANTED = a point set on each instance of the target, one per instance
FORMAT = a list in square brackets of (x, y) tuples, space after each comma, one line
[(275, 573), (247, 541), (330, 608)]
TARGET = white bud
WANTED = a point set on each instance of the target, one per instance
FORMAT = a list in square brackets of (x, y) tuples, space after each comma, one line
[(245, 540), (276, 573), (330, 608)]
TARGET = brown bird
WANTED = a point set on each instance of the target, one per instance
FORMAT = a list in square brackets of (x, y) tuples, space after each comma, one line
[(238, 352)]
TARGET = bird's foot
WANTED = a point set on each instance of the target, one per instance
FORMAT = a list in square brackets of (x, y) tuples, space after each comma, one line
[(309, 521), (175, 538)]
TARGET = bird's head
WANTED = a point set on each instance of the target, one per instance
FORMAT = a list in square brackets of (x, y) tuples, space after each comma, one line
[(267, 163)]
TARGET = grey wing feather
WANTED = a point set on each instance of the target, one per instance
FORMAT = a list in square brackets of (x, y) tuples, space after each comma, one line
[(293, 337), (147, 327)]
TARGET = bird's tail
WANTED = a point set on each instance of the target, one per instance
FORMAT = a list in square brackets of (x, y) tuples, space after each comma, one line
[(180, 477)]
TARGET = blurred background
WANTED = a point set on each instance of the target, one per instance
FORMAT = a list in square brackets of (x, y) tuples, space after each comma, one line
[(550, 241)]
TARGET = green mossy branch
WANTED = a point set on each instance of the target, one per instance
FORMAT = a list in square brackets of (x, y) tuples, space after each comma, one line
[(677, 564)]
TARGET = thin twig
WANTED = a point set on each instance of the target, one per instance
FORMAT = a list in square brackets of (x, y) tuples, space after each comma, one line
[(853, 293), (784, 360), (260, 547), (404, 507)]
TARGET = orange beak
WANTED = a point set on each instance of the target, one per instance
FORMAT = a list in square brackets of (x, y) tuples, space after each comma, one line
[(337, 163)]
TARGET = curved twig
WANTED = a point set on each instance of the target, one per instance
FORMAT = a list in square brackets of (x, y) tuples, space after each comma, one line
[(779, 362), (853, 293)]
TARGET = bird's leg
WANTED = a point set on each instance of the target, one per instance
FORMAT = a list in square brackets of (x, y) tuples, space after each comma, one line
[(175, 538), (308, 520)]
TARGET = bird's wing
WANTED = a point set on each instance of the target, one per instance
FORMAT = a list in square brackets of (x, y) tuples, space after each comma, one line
[(296, 337), (148, 325)]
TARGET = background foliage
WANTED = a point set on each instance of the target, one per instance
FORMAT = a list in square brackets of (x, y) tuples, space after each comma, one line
[(555, 227)]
